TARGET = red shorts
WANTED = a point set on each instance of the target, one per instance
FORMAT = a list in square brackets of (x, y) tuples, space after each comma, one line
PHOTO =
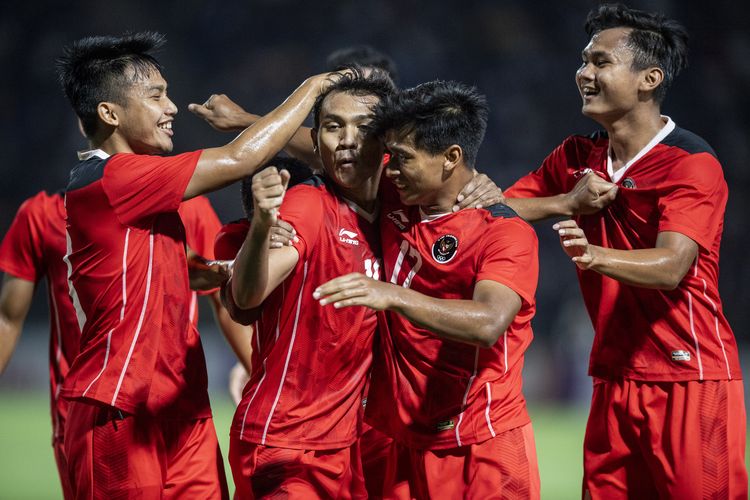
[(115, 455), (62, 468), (665, 440), (502, 467), (269, 472), (374, 451)]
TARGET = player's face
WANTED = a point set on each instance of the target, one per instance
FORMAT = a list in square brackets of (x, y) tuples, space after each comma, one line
[(350, 155), (606, 80), (416, 173), (147, 115)]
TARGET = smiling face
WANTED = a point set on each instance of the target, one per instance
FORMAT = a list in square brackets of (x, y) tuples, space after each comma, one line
[(607, 82), (350, 154), (417, 174), (145, 118)]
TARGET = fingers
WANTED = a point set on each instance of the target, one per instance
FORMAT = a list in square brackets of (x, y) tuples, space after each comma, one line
[(282, 234), (285, 176), (344, 297), (336, 285), (565, 224)]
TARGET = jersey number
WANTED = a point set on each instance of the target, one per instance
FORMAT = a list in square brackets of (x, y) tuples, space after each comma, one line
[(372, 268), (412, 252)]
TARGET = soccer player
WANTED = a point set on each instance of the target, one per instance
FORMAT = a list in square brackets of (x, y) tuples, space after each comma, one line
[(33, 248), (139, 419), (667, 415), (459, 302), (296, 427)]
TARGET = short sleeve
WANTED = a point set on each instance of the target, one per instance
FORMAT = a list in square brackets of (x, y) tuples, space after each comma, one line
[(21, 252), (303, 209), (697, 197), (510, 257), (550, 179), (201, 225), (142, 186)]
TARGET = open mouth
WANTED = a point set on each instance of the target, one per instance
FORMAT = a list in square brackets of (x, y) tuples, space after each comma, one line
[(166, 127), (588, 92)]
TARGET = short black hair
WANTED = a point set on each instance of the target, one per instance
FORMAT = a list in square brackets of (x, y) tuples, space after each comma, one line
[(654, 39), (362, 55), (299, 171), (377, 83), (98, 69), (439, 114)]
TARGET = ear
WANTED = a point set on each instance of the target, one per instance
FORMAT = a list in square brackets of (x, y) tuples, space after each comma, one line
[(314, 137), (652, 78), (108, 113), (452, 157)]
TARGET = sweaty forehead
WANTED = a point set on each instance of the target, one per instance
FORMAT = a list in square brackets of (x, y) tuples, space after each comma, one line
[(347, 104), (609, 40)]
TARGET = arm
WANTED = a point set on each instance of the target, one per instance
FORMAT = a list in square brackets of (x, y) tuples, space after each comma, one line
[(258, 270), (15, 300), (479, 321), (238, 336), (661, 268), (225, 115), (590, 194)]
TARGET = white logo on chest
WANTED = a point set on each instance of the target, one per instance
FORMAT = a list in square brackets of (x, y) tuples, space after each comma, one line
[(348, 237)]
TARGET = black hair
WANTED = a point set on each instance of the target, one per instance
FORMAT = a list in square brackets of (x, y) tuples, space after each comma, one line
[(654, 39), (362, 55), (102, 68), (376, 83), (439, 114), (299, 171)]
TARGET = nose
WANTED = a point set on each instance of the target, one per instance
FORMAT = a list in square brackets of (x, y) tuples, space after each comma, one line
[(171, 108), (585, 72), (348, 139)]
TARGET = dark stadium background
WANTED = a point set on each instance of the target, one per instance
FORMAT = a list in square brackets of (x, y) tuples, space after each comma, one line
[(521, 54)]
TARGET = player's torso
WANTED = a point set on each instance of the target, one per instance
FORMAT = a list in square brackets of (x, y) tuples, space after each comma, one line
[(310, 362)]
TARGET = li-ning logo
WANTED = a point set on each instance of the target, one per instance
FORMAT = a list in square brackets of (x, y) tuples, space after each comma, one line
[(680, 355), (444, 249), (348, 237), (399, 218)]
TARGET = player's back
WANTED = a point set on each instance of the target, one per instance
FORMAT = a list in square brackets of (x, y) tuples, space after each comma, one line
[(310, 362), (435, 393)]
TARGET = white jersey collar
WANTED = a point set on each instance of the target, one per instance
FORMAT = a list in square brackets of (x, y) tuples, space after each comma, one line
[(91, 153), (665, 131)]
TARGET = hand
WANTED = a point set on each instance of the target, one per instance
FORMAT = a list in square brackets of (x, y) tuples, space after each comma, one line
[(269, 187), (204, 274), (222, 113), (282, 234), (574, 242), (590, 194), (238, 378), (480, 192), (356, 289)]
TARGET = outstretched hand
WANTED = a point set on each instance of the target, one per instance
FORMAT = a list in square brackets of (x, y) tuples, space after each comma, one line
[(574, 242), (356, 289), (222, 113)]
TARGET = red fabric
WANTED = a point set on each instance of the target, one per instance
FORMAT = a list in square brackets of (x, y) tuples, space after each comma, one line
[(139, 351), (201, 227), (62, 469), (309, 362), (267, 472), (32, 249), (374, 452), (640, 333), (110, 456), (230, 238), (432, 393), (666, 440), (504, 467)]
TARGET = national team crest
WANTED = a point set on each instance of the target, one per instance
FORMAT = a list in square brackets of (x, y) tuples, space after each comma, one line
[(628, 183), (444, 249)]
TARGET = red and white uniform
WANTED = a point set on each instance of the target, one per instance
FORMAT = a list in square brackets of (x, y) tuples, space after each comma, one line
[(310, 363), (650, 336), (140, 352)]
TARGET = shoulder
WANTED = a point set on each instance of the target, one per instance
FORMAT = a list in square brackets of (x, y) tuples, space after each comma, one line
[(501, 218), (87, 172), (688, 141), (195, 206)]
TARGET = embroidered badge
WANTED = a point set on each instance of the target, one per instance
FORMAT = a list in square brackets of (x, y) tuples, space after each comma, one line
[(444, 249), (628, 183)]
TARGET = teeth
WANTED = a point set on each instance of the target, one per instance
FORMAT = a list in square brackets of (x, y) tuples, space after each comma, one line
[(166, 126)]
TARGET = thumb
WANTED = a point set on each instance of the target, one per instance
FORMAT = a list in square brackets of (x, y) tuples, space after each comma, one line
[(285, 176), (198, 109)]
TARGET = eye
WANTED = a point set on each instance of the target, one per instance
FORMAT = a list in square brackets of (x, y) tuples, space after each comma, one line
[(331, 126)]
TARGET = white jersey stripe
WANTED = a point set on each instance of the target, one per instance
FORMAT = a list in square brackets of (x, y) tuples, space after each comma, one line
[(80, 315), (288, 355), (257, 387), (53, 301), (716, 319), (140, 319), (487, 409), (106, 358), (466, 396), (193, 303), (505, 350), (695, 337)]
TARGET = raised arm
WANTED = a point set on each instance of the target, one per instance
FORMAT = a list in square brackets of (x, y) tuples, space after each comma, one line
[(225, 115), (258, 270), (479, 321), (662, 267), (15, 300)]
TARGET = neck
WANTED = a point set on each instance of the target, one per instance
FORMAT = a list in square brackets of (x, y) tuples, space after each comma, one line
[(365, 195), (630, 133), (445, 196), (110, 143)]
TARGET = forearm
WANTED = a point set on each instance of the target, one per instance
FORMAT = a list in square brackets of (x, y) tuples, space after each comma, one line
[(657, 268), (250, 276), (536, 209), (239, 337), (10, 331), (467, 321)]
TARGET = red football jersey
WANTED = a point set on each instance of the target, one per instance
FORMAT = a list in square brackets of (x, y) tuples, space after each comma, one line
[(32, 249), (675, 184), (310, 363), (129, 285), (431, 393), (230, 238)]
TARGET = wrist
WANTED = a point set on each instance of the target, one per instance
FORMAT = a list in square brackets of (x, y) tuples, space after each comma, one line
[(598, 258), (566, 205)]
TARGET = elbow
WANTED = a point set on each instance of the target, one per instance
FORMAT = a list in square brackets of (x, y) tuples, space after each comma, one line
[(489, 333), (243, 297)]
